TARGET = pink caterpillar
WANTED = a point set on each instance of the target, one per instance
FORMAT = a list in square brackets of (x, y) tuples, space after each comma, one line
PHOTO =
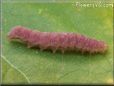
[(57, 40)]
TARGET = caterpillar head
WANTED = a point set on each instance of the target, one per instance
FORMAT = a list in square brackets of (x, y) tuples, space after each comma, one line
[(18, 33), (14, 33)]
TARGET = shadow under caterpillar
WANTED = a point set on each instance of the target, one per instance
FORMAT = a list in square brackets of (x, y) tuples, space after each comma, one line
[(57, 41)]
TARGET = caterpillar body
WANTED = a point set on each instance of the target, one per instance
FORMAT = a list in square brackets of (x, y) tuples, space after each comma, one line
[(54, 41)]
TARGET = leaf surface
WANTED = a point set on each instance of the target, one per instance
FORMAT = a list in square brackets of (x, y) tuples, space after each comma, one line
[(46, 67)]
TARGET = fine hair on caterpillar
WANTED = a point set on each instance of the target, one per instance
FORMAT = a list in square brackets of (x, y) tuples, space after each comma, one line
[(62, 41)]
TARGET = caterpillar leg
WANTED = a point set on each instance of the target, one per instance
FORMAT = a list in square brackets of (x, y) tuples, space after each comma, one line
[(62, 51), (42, 48), (92, 52), (54, 50), (82, 51), (29, 45)]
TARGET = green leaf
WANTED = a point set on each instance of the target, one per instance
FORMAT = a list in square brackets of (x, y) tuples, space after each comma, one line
[(10, 74), (46, 67)]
